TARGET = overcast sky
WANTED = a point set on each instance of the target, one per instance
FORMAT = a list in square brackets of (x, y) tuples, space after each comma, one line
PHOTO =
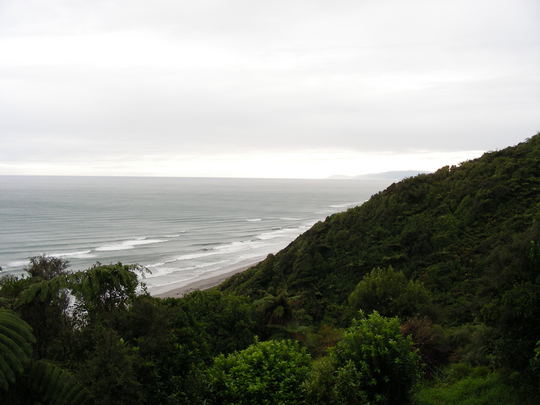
[(247, 88)]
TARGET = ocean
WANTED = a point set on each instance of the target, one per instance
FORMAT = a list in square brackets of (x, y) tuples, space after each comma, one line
[(181, 229)]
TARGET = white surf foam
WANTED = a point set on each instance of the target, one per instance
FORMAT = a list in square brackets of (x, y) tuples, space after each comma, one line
[(158, 269), (279, 233), (128, 244), (286, 233), (85, 254), (187, 256), (226, 249), (175, 235), (344, 205), (17, 263), (212, 260), (234, 247), (191, 256), (254, 220)]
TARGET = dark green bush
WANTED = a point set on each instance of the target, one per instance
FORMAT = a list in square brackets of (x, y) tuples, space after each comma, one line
[(373, 363), (265, 373), (388, 292)]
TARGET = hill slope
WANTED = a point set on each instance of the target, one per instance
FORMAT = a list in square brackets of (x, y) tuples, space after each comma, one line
[(468, 232)]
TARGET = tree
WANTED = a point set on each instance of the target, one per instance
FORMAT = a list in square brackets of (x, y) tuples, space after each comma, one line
[(429, 340), (44, 303), (265, 373), (274, 310), (373, 363), (46, 267), (103, 288), (23, 380), (515, 316), (15, 347), (228, 321), (390, 293), (109, 372)]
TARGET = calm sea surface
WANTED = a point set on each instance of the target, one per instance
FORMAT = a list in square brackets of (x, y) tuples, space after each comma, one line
[(182, 229)]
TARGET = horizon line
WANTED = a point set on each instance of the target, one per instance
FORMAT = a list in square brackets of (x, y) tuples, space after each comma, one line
[(332, 177)]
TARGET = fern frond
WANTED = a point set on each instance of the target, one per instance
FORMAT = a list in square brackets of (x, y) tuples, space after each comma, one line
[(7, 376), (15, 347), (42, 291), (55, 385)]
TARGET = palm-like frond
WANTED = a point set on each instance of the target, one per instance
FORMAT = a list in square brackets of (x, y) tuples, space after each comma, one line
[(56, 386), (43, 290), (15, 347)]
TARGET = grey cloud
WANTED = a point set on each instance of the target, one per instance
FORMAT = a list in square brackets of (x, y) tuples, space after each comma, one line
[(133, 77)]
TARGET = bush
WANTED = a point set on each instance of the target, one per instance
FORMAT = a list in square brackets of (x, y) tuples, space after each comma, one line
[(465, 385), (390, 293), (373, 363), (265, 373), (430, 341)]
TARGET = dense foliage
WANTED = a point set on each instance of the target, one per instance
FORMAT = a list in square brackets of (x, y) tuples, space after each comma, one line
[(467, 237), (265, 373), (374, 363), (24, 380), (390, 293), (462, 384), (124, 346), (432, 287)]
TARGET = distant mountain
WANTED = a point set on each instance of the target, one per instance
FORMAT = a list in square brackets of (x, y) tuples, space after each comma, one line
[(390, 175)]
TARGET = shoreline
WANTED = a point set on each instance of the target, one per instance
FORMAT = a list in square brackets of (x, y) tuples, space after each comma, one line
[(202, 284)]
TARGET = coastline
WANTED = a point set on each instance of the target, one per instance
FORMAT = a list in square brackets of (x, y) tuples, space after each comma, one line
[(202, 284)]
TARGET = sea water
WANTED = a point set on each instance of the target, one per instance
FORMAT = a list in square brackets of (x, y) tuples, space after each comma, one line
[(181, 229)]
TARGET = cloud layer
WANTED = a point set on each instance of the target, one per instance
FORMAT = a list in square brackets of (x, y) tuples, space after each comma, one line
[(113, 80)]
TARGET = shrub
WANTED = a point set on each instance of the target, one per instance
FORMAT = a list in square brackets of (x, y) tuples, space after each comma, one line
[(466, 385), (430, 341), (265, 373), (373, 363), (390, 293)]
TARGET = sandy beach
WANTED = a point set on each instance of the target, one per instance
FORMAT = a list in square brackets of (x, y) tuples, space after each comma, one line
[(202, 284)]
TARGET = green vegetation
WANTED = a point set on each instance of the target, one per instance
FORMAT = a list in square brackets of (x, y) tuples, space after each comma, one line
[(465, 240), (465, 385), (24, 380), (374, 363), (429, 293), (15, 341), (389, 292), (265, 373)]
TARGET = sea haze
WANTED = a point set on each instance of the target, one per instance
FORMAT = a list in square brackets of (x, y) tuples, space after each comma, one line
[(182, 229)]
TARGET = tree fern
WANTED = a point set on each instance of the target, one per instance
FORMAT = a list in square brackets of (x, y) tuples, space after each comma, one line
[(105, 287), (56, 386), (43, 290), (15, 347)]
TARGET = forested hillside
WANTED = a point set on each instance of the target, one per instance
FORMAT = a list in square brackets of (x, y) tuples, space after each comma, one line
[(469, 233), (429, 293)]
